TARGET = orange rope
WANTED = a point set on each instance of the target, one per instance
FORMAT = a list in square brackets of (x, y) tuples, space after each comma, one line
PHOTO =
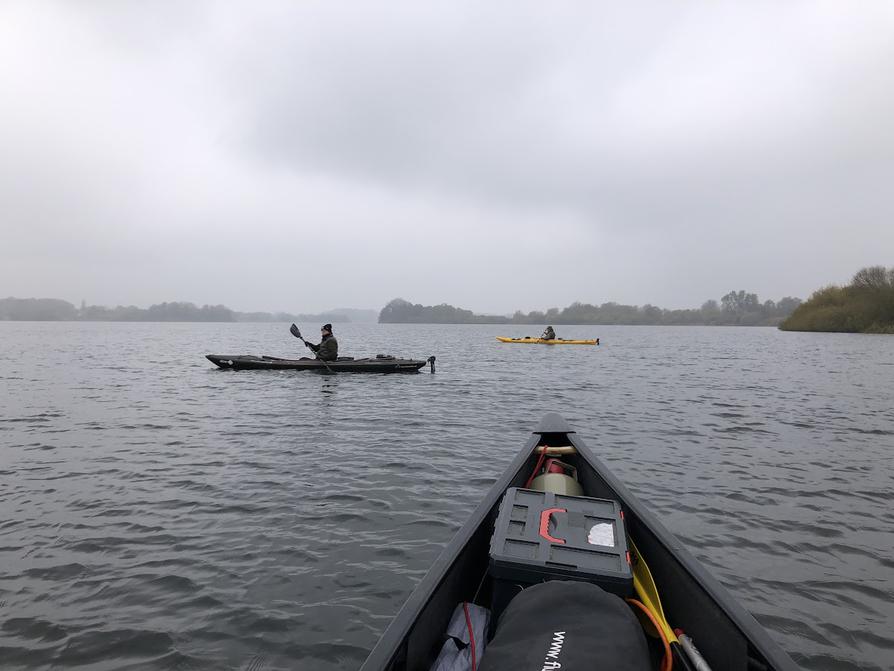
[(668, 662)]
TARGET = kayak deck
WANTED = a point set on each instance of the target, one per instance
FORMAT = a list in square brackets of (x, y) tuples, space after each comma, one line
[(542, 341), (726, 634), (380, 364)]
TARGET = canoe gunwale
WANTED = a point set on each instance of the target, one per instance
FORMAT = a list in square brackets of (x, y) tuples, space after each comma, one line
[(646, 521), (388, 647), (648, 530)]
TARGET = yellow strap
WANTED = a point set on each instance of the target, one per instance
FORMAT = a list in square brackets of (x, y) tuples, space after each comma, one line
[(647, 591)]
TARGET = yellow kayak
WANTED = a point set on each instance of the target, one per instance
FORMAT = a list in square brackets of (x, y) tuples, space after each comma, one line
[(541, 341)]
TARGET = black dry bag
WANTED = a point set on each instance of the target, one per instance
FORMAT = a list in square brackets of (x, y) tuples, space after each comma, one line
[(567, 626)]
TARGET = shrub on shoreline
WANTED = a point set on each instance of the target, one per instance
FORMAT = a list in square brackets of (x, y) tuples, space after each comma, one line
[(866, 305)]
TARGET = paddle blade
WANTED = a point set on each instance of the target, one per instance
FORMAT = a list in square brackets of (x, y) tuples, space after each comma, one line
[(647, 591), (295, 331)]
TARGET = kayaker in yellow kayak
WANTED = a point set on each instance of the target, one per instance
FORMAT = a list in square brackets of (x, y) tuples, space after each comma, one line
[(549, 334)]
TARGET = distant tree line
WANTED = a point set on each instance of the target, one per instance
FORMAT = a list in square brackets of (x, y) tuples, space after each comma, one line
[(400, 311), (36, 310), (54, 309), (735, 308), (866, 305)]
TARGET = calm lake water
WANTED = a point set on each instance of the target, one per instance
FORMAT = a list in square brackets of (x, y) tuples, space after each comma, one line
[(158, 513)]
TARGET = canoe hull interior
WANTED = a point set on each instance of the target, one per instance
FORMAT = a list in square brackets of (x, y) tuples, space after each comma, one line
[(379, 365), (725, 633)]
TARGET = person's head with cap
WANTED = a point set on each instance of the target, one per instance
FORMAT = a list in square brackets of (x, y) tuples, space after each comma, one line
[(326, 329)]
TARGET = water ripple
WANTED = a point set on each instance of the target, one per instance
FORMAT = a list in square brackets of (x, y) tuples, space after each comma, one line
[(162, 514)]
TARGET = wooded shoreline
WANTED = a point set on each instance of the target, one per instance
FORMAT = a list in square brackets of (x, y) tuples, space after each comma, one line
[(866, 305)]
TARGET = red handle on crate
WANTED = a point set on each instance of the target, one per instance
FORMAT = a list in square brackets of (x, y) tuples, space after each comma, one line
[(544, 524)]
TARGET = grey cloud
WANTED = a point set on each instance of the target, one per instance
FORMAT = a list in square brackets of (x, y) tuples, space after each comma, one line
[(657, 154), (526, 117)]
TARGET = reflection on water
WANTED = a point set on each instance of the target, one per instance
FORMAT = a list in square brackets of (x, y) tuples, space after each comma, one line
[(160, 513)]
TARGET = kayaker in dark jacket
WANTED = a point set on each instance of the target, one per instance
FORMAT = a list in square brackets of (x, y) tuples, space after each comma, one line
[(549, 334), (327, 350)]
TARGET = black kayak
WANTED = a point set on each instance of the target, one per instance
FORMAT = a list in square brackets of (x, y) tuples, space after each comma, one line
[(380, 364), (726, 635)]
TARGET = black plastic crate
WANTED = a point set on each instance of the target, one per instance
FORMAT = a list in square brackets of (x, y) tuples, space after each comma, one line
[(542, 536)]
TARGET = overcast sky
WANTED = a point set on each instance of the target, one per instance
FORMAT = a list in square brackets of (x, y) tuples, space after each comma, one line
[(497, 156)]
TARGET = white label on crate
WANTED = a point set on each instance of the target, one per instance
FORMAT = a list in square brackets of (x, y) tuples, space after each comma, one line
[(602, 534)]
